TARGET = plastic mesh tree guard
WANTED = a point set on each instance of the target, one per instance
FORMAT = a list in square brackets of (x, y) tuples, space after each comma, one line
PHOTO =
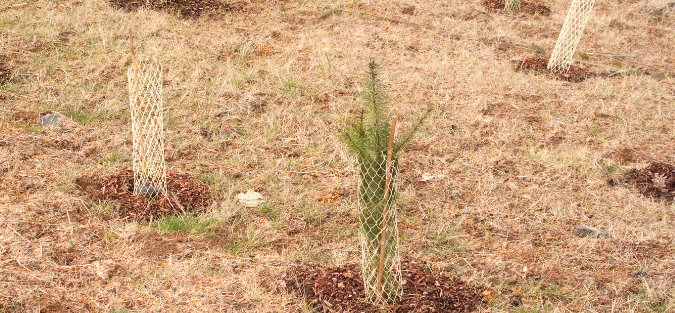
[(147, 126), (376, 205), (512, 6), (575, 22)]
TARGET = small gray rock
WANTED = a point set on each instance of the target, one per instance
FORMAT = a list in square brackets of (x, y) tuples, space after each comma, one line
[(641, 274), (659, 12), (590, 232), (50, 121), (148, 191)]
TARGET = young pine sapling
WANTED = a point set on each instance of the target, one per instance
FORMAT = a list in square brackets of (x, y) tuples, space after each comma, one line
[(370, 136)]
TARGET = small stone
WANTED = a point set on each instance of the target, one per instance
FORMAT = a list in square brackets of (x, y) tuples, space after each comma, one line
[(148, 191), (641, 274), (669, 7), (50, 121), (250, 198), (590, 232), (57, 122), (662, 10)]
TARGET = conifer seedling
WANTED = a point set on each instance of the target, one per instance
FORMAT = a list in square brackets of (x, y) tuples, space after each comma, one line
[(367, 135)]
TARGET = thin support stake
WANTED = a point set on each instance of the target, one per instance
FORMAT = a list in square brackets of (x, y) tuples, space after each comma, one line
[(387, 181)]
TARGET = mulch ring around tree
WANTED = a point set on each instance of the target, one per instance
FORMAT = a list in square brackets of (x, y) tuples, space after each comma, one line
[(185, 8), (184, 193), (656, 181), (341, 289), (539, 65), (525, 7)]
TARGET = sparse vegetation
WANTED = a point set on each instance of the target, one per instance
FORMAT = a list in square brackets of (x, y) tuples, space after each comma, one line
[(115, 157), (329, 12), (188, 222), (505, 167), (103, 207), (85, 115), (269, 212)]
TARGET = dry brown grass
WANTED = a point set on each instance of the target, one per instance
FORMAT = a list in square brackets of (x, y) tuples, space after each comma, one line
[(253, 104)]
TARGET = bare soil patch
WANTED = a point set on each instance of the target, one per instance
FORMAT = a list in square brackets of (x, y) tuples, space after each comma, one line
[(340, 289), (185, 8), (179, 246), (525, 7), (184, 192), (539, 64), (5, 72), (26, 117), (656, 181)]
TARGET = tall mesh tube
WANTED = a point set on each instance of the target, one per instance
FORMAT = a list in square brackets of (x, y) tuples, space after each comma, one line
[(574, 25), (372, 203), (147, 126), (512, 6)]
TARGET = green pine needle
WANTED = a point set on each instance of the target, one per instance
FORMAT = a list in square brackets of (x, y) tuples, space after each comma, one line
[(367, 133)]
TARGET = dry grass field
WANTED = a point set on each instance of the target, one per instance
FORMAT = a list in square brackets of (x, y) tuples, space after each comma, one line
[(509, 163)]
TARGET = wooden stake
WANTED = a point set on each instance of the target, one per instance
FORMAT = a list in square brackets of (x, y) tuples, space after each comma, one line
[(387, 181)]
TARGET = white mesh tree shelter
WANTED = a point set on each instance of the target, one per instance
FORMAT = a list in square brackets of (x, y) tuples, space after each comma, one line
[(512, 6), (372, 206), (574, 25), (147, 126)]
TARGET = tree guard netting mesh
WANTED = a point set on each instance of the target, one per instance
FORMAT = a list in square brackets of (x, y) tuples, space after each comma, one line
[(376, 204), (512, 6), (147, 126), (574, 25)]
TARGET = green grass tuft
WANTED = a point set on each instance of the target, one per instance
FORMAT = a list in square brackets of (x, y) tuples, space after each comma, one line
[(189, 223), (329, 12), (270, 212)]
